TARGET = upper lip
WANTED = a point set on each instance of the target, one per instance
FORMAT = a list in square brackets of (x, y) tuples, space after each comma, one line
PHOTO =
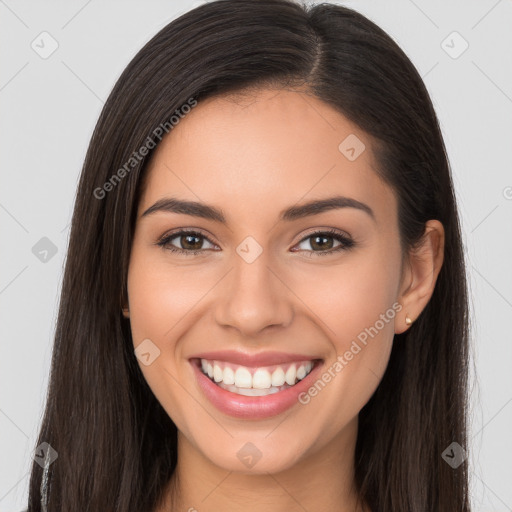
[(258, 359)]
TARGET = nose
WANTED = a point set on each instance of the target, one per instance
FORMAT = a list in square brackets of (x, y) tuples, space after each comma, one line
[(254, 297)]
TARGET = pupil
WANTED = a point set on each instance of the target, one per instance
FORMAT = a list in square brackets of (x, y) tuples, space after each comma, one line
[(194, 246), (321, 245)]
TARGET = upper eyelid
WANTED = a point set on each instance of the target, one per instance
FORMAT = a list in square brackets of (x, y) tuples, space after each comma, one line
[(328, 231)]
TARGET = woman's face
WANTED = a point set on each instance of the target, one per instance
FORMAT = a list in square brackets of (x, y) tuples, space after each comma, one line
[(260, 287)]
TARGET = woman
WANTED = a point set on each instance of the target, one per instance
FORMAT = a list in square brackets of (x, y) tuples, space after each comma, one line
[(264, 303)]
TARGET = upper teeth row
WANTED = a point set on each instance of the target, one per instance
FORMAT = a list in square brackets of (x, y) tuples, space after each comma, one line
[(260, 379)]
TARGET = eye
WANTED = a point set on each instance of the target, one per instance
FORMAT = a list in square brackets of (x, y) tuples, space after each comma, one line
[(321, 241), (190, 241)]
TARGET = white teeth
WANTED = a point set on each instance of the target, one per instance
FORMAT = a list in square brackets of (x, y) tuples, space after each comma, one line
[(252, 391), (229, 376), (290, 375), (278, 377), (218, 374), (261, 379), (243, 378)]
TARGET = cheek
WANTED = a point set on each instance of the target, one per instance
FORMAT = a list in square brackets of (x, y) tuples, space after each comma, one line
[(348, 298), (160, 296), (164, 303), (355, 303)]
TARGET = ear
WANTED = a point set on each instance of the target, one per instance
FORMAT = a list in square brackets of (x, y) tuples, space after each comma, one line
[(126, 312), (420, 274)]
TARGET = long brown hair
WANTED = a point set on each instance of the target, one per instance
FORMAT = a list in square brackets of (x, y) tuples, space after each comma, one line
[(116, 446)]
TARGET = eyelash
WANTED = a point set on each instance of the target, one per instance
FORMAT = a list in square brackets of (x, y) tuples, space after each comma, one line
[(346, 242)]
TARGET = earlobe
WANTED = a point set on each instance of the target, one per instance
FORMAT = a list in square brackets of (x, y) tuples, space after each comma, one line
[(402, 325), (424, 264), (124, 304)]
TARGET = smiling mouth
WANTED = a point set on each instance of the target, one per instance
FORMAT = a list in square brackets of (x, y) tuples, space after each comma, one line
[(255, 381)]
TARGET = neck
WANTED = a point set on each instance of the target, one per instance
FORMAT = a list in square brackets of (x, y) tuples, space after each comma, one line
[(322, 480)]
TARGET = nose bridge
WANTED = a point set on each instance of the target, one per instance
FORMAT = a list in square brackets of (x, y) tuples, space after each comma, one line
[(254, 297)]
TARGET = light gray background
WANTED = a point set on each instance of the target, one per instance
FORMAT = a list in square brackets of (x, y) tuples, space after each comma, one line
[(49, 108)]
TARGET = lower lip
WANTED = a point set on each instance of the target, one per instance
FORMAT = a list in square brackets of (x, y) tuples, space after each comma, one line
[(250, 407)]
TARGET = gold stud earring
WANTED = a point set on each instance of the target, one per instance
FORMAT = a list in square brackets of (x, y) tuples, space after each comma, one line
[(408, 321)]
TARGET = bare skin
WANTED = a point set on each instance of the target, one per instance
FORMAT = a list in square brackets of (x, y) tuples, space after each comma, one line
[(252, 158)]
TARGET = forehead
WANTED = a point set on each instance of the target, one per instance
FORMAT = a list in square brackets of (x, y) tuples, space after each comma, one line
[(264, 151)]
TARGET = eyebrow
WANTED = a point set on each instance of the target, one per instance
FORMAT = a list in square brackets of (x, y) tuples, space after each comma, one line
[(315, 207)]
